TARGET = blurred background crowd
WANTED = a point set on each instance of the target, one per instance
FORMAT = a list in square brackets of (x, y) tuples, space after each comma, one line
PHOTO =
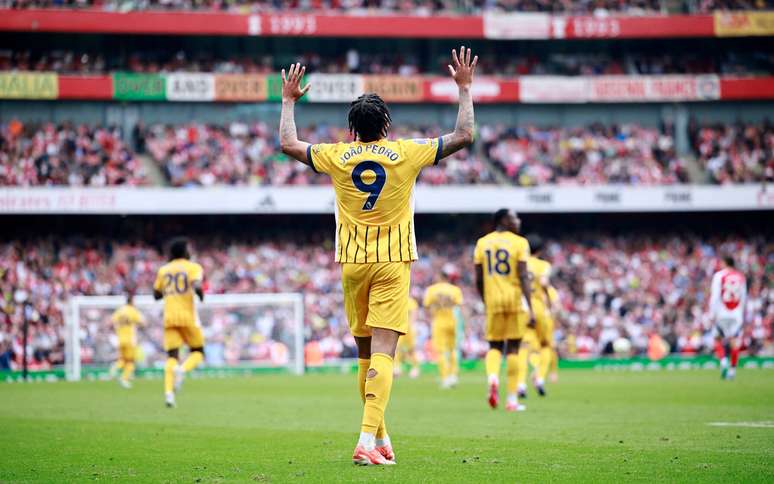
[(238, 153), (613, 288)]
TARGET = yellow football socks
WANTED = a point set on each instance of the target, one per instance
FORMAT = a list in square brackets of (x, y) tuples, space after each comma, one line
[(192, 361), (512, 364), (546, 355), (169, 375), (362, 370), (454, 368), (128, 371), (493, 360), (523, 365), (378, 385)]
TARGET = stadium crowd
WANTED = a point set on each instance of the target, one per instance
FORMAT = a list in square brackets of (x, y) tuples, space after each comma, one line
[(406, 7), (247, 154), (612, 289), (742, 63), (242, 154), (66, 154), (594, 154), (239, 153), (734, 153)]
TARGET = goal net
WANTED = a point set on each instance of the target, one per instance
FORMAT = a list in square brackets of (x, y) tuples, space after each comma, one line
[(241, 331)]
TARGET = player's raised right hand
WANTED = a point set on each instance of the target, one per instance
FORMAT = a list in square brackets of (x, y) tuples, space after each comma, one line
[(291, 84), (462, 67)]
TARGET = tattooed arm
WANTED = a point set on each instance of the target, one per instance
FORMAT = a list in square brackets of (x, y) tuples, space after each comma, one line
[(462, 71), (291, 92)]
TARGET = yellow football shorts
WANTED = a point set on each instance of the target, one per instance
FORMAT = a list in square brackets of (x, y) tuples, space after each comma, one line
[(502, 326), (126, 351), (376, 296), (175, 336), (444, 337)]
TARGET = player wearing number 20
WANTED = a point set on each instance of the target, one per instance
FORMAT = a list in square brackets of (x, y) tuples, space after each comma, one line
[(177, 281), (374, 178), (502, 280)]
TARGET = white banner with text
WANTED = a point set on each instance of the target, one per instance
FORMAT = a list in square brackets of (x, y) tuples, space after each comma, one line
[(448, 199)]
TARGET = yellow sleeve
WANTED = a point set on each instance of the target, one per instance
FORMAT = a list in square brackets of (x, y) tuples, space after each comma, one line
[(195, 273), (553, 294), (478, 254), (522, 250), (545, 277), (158, 285), (138, 317), (322, 156), (428, 298), (457, 296), (115, 316), (423, 151)]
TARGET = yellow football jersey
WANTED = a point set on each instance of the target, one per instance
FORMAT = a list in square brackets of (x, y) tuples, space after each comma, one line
[(125, 319), (440, 299), (498, 253), (540, 271), (175, 280), (553, 295), (374, 185)]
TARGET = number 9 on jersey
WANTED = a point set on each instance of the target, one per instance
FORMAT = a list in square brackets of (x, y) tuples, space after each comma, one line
[(374, 189)]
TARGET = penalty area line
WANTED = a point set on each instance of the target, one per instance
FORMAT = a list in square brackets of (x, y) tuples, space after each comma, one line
[(766, 424)]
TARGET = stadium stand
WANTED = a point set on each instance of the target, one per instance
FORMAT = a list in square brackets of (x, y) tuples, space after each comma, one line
[(247, 154), (240, 154), (66, 154), (732, 62), (413, 7), (594, 154), (734, 153)]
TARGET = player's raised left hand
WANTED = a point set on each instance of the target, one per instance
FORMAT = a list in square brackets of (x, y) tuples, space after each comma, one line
[(463, 67), (291, 83)]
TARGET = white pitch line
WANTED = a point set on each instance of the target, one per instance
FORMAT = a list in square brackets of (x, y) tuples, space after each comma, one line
[(766, 424)]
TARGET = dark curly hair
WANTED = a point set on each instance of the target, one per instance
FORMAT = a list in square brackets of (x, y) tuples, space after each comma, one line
[(369, 118), (178, 248)]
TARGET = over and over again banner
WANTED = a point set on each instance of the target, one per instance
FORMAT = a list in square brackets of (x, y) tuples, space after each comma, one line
[(342, 88)]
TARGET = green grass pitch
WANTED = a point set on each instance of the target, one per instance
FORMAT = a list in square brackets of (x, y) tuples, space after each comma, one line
[(593, 426)]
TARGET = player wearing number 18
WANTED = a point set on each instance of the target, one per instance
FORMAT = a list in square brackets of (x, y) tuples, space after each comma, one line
[(502, 280), (374, 178), (176, 282)]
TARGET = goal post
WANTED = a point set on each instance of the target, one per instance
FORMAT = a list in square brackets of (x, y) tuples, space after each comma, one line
[(263, 330)]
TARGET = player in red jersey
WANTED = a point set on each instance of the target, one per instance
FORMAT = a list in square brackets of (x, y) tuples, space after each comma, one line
[(727, 300)]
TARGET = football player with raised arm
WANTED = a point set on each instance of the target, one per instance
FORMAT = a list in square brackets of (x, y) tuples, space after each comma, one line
[(373, 178)]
